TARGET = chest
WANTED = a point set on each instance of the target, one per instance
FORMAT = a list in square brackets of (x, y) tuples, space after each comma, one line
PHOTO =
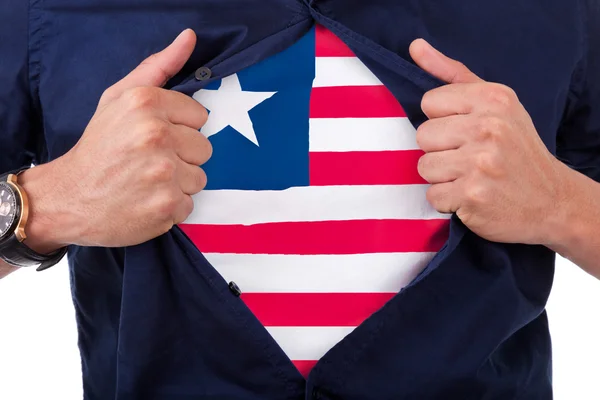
[(86, 46), (314, 205)]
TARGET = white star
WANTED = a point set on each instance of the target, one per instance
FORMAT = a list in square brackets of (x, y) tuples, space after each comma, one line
[(229, 106)]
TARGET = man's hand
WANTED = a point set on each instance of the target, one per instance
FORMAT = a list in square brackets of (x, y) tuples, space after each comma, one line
[(484, 158), (130, 177)]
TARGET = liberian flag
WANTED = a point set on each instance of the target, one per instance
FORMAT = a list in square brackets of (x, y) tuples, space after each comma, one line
[(314, 205)]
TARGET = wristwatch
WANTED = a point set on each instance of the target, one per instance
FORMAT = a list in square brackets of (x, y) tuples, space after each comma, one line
[(14, 211)]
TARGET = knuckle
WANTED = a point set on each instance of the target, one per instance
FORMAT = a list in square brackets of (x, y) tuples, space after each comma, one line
[(162, 170), (202, 115), (482, 129), (501, 95), (199, 112), (509, 91), (166, 225), (201, 180), (154, 133), (475, 194), (466, 215), (167, 205), (140, 98), (184, 210), (108, 95), (437, 199), (153, 63), (207, 149), (427, 101), (432, 195), (462, 72), (488, 162), (422, 135), (459, 66), (150, 60), (492, 127), (188, 208), (196, 181)]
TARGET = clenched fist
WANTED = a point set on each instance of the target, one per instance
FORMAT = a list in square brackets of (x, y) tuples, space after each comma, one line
[(484, 158), (131, 175)]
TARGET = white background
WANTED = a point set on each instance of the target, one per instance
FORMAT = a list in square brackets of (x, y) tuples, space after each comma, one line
[(39, 359)]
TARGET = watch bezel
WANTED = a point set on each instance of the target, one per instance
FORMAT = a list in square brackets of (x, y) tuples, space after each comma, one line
[(16, 220), (22, 207)]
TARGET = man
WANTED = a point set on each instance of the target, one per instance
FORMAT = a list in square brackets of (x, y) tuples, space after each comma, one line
[(313, 199)]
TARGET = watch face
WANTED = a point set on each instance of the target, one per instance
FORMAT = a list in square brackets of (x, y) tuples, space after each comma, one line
[(8, 209)]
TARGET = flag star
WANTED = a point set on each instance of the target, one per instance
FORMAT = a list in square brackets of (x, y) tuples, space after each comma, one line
[(229, 106)]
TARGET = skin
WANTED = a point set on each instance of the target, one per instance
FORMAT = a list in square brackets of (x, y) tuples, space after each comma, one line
[(483, 157), (487, 163), (131, 175)]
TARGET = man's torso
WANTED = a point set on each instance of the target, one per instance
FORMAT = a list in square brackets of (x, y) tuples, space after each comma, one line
[(79, 49)]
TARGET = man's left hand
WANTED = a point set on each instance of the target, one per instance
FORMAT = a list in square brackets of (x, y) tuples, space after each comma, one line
[(484, 157)]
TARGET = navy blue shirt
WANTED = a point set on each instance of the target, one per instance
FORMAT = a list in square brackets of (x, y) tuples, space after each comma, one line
[(156, 321)]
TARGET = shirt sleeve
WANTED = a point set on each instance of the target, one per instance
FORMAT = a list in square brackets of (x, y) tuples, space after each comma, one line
[(578, 143), (21, 138)]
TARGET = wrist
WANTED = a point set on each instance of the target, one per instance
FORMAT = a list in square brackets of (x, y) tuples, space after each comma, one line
[(564, 226), (50, 222)]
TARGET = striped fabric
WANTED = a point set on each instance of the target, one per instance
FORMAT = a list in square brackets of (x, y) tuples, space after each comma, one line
[(315, 261)]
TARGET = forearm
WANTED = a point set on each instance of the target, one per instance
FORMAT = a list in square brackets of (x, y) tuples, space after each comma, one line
[(574, 226)]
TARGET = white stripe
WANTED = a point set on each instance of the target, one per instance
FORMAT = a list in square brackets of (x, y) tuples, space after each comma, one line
[(356, 273), (362, 134), (343, 71), (312, 203), (308, 343)]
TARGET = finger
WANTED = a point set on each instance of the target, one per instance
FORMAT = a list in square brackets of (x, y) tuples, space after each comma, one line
[(157, 69), (191, 178), (442, 166), (457, 99), (443, 197), (191, 146), (181, 109), (445, 133), (439, 65), (184, 209)]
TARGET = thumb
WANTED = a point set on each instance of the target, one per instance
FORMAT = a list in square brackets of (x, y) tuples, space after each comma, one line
[(157, 69), (439, 65)]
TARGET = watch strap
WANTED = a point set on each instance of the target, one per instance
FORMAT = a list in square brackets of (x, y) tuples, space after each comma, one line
[(18, 254)]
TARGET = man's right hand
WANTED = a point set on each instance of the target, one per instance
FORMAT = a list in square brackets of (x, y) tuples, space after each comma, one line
[(131, 175)]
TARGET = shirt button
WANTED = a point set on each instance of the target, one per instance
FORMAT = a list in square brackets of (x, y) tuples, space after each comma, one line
[(235, 289), (203, 73)]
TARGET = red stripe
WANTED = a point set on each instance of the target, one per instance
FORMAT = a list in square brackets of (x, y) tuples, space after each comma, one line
[(329, 45), (354, 102), (323, 237), (314, 309), (304, 366), (365, 168)]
